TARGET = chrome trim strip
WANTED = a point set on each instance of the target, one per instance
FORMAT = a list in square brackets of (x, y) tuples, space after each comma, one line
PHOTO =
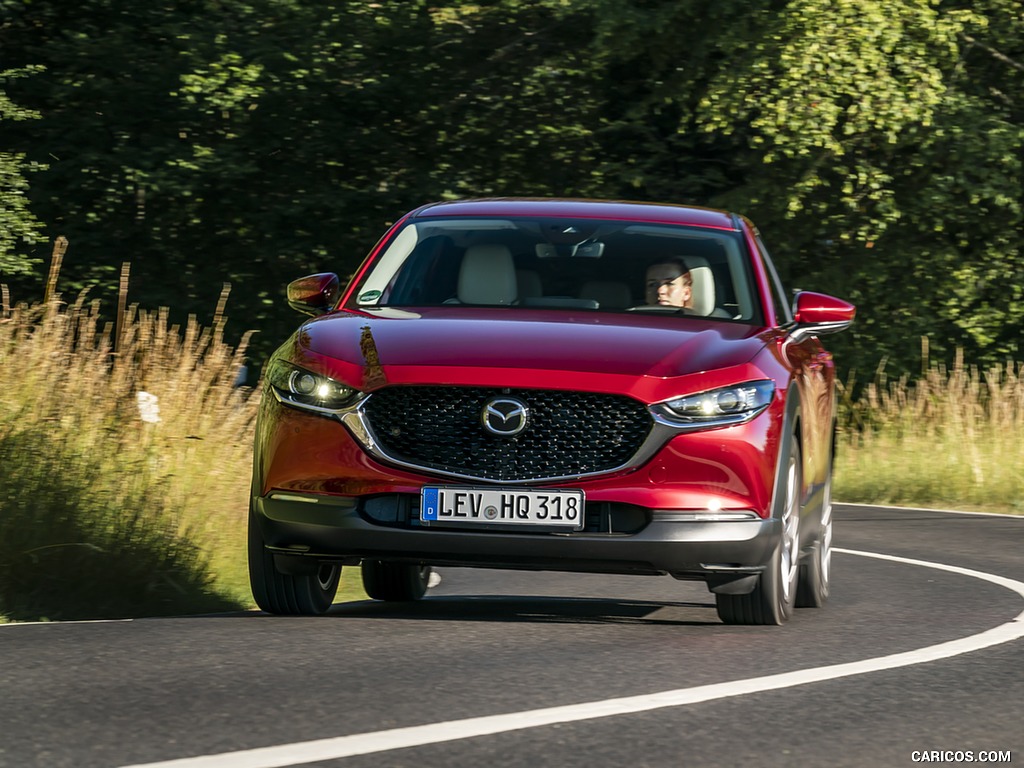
[(294, 497), (802, 332), (724, 516), (337, 413), (663, 415)]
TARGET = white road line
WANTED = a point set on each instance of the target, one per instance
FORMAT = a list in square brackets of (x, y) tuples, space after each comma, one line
[(57, 623), (400, 738), (1005, 515)]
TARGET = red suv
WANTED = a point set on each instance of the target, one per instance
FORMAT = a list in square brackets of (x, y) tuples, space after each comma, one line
[(560, 385)]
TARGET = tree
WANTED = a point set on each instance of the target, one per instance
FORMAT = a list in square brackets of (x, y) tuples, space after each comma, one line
[(258, 141), (877, 143), (18, 227)]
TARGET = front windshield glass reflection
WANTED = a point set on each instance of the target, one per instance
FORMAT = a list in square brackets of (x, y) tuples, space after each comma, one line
[(563, 264)]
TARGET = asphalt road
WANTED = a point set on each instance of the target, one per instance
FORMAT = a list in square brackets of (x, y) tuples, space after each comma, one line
[(498, 643)]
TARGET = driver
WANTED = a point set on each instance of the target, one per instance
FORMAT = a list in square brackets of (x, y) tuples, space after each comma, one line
[(669, 284)]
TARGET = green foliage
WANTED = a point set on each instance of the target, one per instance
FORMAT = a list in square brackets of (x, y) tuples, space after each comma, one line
[(18, 227), (829, 90), (877, 143)]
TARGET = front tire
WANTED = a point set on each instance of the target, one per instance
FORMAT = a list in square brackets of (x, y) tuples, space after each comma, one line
[(772, 600), (395, 582), (303, 593), (815, 574)]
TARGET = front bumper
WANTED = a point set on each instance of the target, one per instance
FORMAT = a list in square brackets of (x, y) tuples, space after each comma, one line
[(728, 555)]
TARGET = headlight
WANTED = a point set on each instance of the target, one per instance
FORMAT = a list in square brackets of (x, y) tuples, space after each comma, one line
[(304, 389), (718, 407)]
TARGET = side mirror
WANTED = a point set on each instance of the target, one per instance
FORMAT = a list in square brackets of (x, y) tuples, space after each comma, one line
[(314, 294), (816, 314)]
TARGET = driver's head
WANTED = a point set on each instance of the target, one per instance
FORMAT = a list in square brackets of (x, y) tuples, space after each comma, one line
[(669, 283)]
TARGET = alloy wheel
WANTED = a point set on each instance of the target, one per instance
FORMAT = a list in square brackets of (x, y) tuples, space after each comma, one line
[(789, 563)]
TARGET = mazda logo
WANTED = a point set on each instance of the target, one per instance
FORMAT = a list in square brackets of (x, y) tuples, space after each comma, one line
[(504, 416)]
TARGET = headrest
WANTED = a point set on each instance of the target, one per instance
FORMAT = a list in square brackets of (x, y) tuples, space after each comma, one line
[(703, 290), (487, 275)]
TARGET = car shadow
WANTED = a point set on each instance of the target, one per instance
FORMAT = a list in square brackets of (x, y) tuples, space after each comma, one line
[(542, 610)]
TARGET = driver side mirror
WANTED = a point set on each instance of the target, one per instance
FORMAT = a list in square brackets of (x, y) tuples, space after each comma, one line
[(314, 294), (817, 314)]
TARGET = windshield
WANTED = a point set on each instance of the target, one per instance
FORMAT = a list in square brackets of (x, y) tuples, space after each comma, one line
[(605, 266)]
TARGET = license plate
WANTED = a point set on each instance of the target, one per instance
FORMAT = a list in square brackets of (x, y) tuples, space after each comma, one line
[(500, 507)]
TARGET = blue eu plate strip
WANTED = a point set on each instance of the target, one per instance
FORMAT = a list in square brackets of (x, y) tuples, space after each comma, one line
[(430, 503)]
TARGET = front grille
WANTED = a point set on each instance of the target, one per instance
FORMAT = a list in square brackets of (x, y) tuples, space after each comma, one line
[(568, 433)]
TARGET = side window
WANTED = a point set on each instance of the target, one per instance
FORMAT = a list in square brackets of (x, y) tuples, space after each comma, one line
[(779, 297)]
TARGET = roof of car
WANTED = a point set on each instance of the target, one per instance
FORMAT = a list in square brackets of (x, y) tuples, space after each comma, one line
[(583, 209)]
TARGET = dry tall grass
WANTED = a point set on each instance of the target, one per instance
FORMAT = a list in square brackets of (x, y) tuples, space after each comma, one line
[(950, 439), (109, 509), (101, 511)]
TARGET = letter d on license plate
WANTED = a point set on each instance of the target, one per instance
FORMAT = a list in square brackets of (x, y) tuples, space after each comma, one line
[(502, 507)]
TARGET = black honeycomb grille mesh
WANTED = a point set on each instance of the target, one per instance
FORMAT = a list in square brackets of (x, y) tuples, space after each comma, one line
[(569, 433)]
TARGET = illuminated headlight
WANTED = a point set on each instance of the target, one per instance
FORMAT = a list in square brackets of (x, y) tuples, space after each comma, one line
[(719, 407), (305, 389)]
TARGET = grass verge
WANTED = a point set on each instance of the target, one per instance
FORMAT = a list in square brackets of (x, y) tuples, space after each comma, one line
[(126, 457), (950, 439), (109, 509)]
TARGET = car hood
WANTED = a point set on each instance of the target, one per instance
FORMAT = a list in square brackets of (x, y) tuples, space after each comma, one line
[(585, 342)]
